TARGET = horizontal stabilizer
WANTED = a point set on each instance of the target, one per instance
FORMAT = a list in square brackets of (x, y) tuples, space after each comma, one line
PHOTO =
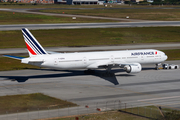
[(31, 60), (14, 57), (36, 61)]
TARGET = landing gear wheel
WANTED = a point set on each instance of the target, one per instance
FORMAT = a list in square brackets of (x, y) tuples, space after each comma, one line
[(157, 66)]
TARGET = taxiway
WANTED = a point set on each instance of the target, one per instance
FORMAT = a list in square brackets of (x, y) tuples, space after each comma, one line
[(161, 46), (146, 88), (90, 25)]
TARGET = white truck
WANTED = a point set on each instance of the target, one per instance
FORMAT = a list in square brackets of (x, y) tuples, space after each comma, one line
[(170, 66)]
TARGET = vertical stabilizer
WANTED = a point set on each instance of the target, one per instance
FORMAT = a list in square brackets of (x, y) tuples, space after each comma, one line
[(33, 46)]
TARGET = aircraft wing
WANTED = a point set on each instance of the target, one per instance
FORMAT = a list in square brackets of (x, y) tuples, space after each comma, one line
[(122, 64), (105, 63)]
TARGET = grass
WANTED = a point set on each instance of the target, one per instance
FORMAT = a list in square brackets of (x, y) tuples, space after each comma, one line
[(173, 54), (11, 64), (22, 103), (110, 115), (143, 14), (91, 37), (25, 18), (153, 112), (148, 111), (134, 113)]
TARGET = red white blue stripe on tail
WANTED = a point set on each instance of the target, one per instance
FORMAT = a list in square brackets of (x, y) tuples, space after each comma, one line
[(33, 46)]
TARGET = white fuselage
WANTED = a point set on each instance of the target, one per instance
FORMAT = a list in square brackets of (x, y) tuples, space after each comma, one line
[(88, 60)]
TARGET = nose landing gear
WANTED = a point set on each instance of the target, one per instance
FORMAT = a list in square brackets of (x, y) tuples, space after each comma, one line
[(157, 66)]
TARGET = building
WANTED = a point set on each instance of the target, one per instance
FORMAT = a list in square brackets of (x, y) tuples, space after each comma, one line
[(60, 1), (76, 2), (34, 1)]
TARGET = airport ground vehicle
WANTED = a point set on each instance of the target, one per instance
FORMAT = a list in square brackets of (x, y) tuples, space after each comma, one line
[(170, 66)]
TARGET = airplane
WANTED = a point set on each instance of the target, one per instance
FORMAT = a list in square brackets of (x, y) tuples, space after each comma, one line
[(129, 60)]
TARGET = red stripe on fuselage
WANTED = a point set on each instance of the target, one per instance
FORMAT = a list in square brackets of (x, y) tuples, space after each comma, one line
[(30, 50)]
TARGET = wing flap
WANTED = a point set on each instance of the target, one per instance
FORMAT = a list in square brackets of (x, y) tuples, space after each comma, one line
[(30, 60), (36, 61)]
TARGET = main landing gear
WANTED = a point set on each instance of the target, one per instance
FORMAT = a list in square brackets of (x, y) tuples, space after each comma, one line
[(108, 69), (104, 74), (108, 72)]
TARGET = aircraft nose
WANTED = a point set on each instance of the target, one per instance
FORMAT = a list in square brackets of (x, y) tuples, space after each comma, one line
[(165, 57)]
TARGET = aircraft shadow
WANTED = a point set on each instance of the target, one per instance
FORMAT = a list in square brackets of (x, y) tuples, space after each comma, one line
[(111, 77), (152, 68), (102, 74), (25, 78)]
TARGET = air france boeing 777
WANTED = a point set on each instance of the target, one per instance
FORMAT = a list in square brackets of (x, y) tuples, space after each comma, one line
[(129, 60)]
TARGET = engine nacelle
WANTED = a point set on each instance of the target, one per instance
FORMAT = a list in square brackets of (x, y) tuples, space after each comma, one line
[(135, 68)]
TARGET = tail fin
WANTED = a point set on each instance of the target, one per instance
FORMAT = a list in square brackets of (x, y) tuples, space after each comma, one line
[(33, 46)]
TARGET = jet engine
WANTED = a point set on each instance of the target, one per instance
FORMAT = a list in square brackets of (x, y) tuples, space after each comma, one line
[(135, 68)]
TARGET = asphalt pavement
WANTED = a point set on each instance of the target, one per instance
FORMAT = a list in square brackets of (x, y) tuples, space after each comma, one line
[(160, 46), (89, 25), (149, 87)]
